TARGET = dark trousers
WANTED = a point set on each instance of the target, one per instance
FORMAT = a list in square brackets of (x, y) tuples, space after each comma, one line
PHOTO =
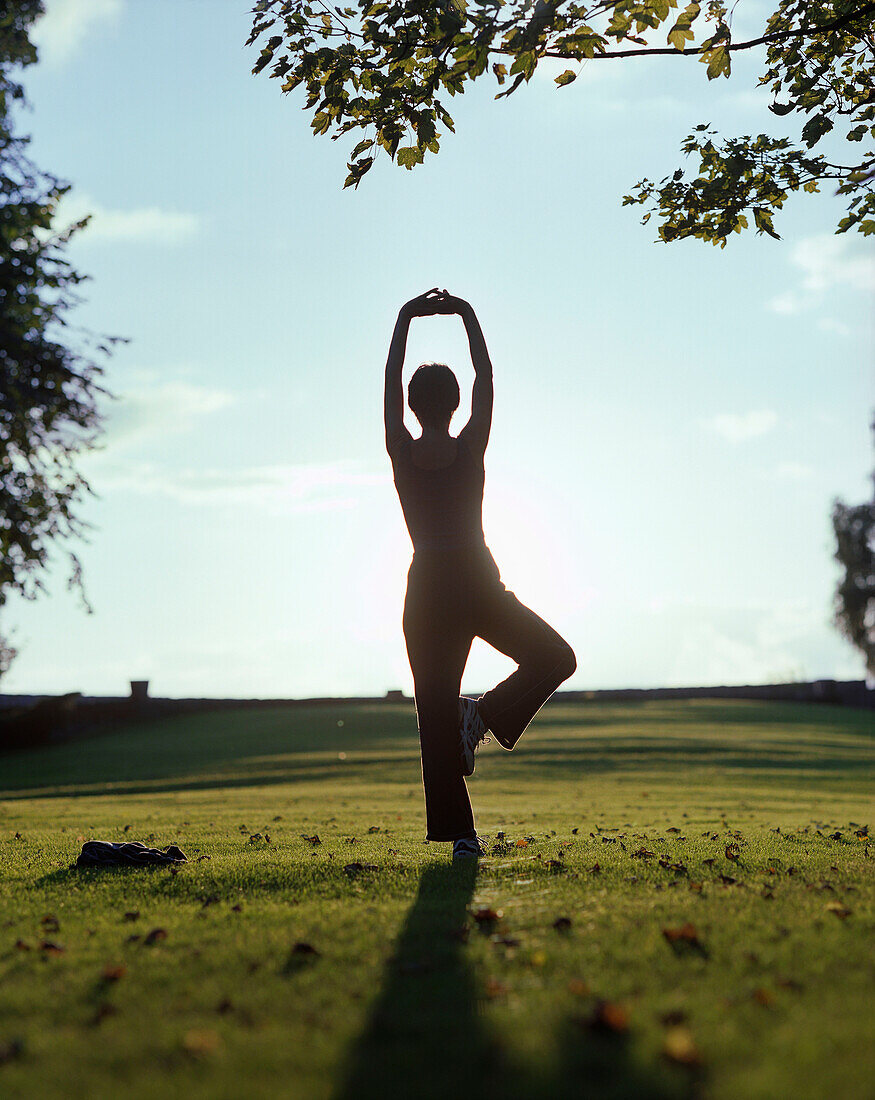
[(453, 597)]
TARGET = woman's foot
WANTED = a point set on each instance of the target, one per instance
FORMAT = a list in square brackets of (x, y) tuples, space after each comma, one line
[(472, 732), (469, 847)]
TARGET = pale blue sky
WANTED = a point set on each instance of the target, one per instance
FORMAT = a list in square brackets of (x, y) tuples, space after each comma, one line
[(671, 423)]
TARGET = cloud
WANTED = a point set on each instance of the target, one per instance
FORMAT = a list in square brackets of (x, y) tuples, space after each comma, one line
[(738, 427), (788, 302), (151, 409), (276, 488), (66, 23), (825, 262), (149, 224), (829, 261), (793, 471), (830, 324)]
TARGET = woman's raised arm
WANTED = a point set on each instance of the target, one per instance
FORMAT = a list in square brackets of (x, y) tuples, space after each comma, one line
[(424, 305)]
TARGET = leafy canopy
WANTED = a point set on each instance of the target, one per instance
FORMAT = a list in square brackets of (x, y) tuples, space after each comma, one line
[(49, 386), (385, 70), (854, 527)]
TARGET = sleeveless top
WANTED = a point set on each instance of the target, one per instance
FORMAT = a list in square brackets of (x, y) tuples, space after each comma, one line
[(442, 508)]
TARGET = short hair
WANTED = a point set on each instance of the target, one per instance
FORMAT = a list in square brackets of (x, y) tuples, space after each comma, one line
[(433, 394)]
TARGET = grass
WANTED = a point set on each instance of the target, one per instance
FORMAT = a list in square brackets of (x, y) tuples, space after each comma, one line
[(426, 978)]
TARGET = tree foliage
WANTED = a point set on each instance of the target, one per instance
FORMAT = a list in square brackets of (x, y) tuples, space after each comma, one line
[(854, 527), (49, 371), (385, 70)]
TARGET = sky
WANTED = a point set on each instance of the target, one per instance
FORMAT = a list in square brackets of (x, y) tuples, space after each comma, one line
[(672, 423)]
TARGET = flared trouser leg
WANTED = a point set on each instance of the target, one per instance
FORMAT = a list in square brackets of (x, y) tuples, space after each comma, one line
[(544, 658), (438, 644)]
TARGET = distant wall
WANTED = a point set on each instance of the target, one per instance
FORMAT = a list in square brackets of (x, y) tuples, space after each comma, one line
[(847, 693), (27, 721)]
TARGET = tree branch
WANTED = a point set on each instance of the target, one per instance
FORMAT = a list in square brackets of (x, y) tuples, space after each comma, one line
[(775, 36)]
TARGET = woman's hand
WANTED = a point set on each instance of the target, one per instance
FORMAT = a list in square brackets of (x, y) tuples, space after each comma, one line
[(433, 302), (423, 305)]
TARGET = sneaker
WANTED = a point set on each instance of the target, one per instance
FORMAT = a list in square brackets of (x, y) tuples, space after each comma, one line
[(472, 732), (470, 847)]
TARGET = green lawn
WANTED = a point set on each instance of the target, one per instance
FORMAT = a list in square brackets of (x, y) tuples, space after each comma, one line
[(716, 821)]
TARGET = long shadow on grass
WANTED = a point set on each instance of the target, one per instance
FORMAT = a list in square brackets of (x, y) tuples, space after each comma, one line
[(425, 1037)]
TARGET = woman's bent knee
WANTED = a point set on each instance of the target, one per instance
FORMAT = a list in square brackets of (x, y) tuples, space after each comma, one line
[(567, 663)]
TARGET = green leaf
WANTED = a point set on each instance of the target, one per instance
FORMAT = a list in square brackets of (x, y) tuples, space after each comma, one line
[(815, 128), (566, 78), (409, 155), (718, 62), (763, 221)]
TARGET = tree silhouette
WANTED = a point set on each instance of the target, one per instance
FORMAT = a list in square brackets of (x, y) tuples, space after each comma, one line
[(49, 373)]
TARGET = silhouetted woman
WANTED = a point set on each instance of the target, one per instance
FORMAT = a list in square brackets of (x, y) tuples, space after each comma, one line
[(454, 591)]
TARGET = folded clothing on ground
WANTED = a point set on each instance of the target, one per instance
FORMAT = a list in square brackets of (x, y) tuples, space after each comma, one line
[(106, 853)]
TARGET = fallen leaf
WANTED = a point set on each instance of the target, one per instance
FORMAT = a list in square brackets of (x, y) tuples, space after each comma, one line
[(485, 914), (49, 947), (101, 1012), (50, 923), (11, 1050), (522, 843), (732, 852), (356, 868), (555, 865), (839, 909), (156, 935), (683, 939), (672, 829), (727, 880), (608, 1016), (201, 1042), (302, 948), (764, 997), (131, 915), (494, 988), (680, 1048), (113, 973), (595, 869), (696, 887), (642, 853), (789, 983), (21, 945), (314, 840), (562, 924)]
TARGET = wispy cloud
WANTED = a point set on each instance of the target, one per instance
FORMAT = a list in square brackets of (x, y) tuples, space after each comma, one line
[(154, 409), (793, 471), (828, 260), (738, 427), (825, 262), (276, 488), (147, 224), (66, 23)]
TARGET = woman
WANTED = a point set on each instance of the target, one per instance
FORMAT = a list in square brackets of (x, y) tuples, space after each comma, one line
[(454, 592)]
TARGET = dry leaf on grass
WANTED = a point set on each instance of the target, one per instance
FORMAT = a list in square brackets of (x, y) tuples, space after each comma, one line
[(201, 1042), (607, 1016), (684, 940), (680, 1048), (839, 909)]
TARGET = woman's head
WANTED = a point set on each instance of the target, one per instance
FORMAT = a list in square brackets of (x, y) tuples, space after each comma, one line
[(433, 395)]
